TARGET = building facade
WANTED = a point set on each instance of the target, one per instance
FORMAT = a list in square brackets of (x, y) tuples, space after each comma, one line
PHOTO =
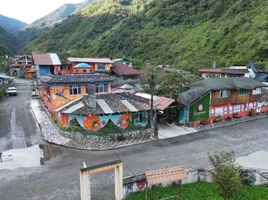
[(220, 99)]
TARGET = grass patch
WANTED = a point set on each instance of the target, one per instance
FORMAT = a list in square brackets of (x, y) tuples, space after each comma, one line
[(200, 191)]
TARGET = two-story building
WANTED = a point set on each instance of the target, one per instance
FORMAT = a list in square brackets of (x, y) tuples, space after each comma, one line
[(224, 98), (90, 65), (58, 90)]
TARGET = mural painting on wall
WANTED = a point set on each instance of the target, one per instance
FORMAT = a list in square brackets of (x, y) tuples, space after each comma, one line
[(231, 109)]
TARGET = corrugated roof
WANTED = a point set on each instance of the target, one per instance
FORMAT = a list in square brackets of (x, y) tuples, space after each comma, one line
[(46, 59), (121, 69), (129, 106), (231, 71), (74, 108), (83, 78), (90, 60), (200, 88), (106, 104)]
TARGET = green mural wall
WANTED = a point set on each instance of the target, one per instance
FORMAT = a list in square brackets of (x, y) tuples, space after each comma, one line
[(200, 109)]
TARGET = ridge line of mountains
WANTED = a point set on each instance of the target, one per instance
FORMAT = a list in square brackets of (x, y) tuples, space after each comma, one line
[(187, 34)]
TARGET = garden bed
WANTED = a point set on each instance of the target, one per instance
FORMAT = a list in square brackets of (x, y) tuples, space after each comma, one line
[(199, 191)]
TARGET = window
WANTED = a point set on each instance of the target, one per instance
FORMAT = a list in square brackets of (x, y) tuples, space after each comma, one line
[(84, 71), (243, 92), (101, 67), (139, 117), (256, 91), (101, 88), (74, 90), (223, 94)]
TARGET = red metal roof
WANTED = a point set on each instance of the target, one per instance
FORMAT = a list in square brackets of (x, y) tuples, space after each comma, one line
[(124, 70)]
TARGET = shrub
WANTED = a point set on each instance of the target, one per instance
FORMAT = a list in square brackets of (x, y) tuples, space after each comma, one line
[(225, 173), (252, 112), (236, 115), (217, 119), (204, 122)]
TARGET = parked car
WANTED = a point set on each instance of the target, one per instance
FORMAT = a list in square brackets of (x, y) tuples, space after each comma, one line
[(11, 91)]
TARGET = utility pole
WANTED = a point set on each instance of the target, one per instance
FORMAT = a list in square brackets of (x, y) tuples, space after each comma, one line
[(152, 90)]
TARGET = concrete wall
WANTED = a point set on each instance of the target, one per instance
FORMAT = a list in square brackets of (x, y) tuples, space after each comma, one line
[(137, 183)]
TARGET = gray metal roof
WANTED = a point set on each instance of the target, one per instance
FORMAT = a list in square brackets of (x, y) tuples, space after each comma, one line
[(200, 88)]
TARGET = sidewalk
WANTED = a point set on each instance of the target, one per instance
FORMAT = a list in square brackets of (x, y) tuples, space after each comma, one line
[(53, 134), (172, 130)]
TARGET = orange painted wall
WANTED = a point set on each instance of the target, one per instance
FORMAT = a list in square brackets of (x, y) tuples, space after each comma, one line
[(82, 70), (88, 123), (108, 67), (124, 120), (58, 101)]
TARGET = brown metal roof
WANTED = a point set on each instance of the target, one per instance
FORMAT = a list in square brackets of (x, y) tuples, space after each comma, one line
[(90, 60), (46, 59), (121, 69)]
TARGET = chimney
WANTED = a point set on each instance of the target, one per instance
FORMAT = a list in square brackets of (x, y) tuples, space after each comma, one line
[(91, 100)]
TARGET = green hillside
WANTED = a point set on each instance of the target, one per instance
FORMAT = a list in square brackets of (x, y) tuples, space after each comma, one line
[(187, 33), (44, 24), (8, 42)]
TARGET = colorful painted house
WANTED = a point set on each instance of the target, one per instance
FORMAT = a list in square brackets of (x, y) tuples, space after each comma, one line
[(97, 111), (46, 63), (208, 99), (90, 65), (58, 90)]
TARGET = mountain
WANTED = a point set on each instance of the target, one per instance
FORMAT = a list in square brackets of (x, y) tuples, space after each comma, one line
[(8, 42), (187, 34), (43, 24), (11, 25)]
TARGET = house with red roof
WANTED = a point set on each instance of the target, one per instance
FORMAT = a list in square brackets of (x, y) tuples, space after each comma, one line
[(46, 63), (125, 71)]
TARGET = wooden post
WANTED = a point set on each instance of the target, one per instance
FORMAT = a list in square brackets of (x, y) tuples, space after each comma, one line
[(85, 185), (118, 182)]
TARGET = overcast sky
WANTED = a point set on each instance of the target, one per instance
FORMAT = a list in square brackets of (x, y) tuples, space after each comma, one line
[(30, 10)]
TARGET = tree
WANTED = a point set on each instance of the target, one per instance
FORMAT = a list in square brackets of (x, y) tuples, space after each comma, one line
[(225, 173), (170, 83)]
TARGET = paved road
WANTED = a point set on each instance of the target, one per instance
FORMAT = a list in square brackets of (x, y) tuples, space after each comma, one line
[(17, 125), (59, 178)]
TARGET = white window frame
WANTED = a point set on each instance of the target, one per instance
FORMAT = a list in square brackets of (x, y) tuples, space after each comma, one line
[(101, 65), (102, 88), (223, 94), (257, 91), (243, 94), (75, 89)]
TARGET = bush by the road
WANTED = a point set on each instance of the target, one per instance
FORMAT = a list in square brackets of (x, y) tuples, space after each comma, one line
[(2, 91), (225, 173), (200, 191)]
